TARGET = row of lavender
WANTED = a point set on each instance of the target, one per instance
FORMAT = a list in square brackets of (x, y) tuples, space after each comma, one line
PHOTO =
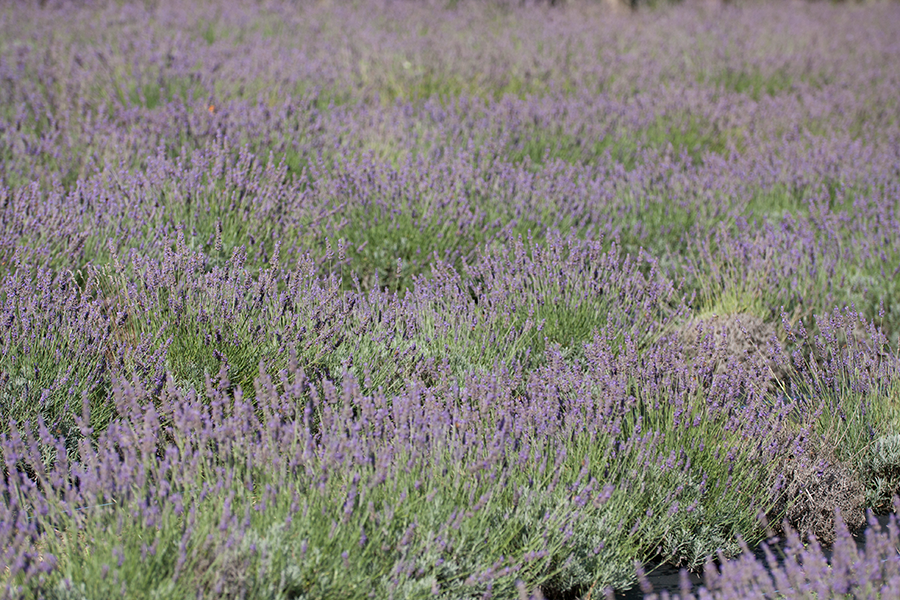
[(713, 134), (423, 440), (408, 301)]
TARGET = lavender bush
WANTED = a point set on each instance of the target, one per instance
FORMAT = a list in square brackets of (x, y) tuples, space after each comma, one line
[(455, 300)]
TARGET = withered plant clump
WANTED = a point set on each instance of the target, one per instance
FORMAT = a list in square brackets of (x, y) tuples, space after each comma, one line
[(814, 485), (743, 338)]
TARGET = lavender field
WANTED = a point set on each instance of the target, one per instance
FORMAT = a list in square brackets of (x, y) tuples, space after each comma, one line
[(459, 300)]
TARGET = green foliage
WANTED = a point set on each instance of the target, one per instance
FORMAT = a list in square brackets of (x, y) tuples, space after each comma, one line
[(513, 315), (678, 133), (208, 31), (397, 245), (724, 282), (753, 82), (875, 293), (48, 366), (882, 471), (695, 535)]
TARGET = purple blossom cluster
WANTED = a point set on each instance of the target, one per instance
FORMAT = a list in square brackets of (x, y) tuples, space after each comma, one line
[(805, 570), (456, 300)]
